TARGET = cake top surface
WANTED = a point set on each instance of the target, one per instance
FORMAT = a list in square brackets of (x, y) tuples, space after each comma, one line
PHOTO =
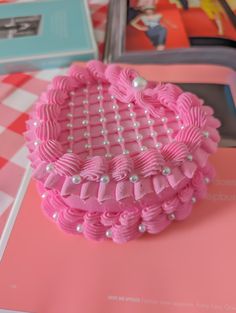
[(103, 123)]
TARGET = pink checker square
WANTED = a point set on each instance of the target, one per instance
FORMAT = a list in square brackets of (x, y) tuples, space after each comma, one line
[(10, 178), (8, 115), (16, 79), (10, 143), (3, 161), (35, 85), (19, 125), (6, 89)]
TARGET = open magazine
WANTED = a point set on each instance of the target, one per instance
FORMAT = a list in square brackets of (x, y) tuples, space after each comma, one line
[(172, 31)]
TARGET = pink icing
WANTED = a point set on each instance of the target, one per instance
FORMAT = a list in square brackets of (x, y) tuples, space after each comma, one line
[(47, 111), (69, 164), (94, 168), (69, 218), (64, 83), (176, 151), (122, 166), (49, 130), (54, 96), (148, 163), (50, 150)]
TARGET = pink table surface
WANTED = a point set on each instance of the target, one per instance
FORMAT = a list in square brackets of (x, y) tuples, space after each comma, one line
[(17, 95)]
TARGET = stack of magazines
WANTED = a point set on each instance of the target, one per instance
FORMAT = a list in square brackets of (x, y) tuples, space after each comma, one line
[(172, 31)]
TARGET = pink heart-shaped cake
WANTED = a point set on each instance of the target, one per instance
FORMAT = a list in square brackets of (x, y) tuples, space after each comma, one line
[(116, 156)]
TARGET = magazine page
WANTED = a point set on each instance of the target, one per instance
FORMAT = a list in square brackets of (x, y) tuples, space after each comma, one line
[(167, 24)]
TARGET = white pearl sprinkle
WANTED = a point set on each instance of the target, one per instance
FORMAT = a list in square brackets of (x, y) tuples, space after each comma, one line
[(69, 125), (99, 87), (100, 110), (132, 114), (117, 117), (105, 179), (76, 179), (69, 114), (139, 137), (85, 112), (169, 131), (171, 216), (87, 146), (189, 157), (102, 119), (177, 117), (130, 105), (103, 131), (86, 134), (145, 111), (182, 127), (207, 180), (166, 171), (120, 128), (164, 119), (106, 142), (206, 134), (150, 122), (158, 145), (72, 93), (120, 139), (153, 134), (69, 150), (99, 97), (49, 167), (136, 124), (85, 122), (113, 97), (142, 228), (85, 101), (79, 228), (70, 138), (55, 215), (109, 233), (139, 82), (36, 143), (143, 148), (134, 178), (36, 123), (108, 155), (44, 195), (194, 199), (115, 107), (71, 103), (125, 152)]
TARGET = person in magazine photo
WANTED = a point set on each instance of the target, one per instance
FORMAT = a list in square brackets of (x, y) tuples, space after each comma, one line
[(152, 26)]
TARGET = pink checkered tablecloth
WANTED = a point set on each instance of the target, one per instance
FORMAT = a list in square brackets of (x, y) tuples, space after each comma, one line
[(18, 92)]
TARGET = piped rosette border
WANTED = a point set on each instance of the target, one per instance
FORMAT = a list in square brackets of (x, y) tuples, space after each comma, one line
[(130, 223), (171, 168)]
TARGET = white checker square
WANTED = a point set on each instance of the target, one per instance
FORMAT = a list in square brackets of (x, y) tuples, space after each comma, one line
[(5, 201), (2, 129), (20, 158), (20, 100), (99, 35), (49, 74)]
